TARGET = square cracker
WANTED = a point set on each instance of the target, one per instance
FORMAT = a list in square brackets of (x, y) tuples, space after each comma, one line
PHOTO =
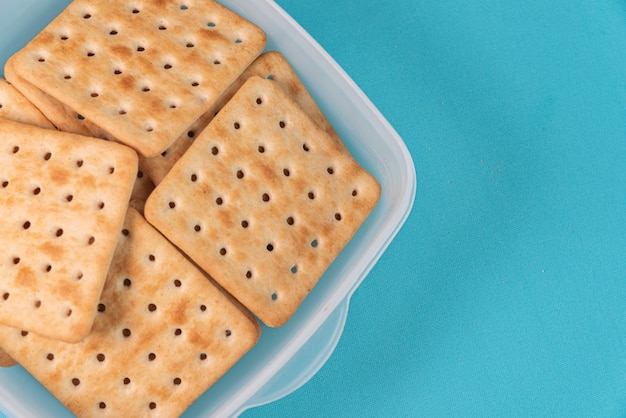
[(162, 336), (264, 200), (14, 106), (142, 71), (270, 65), (63, 198)]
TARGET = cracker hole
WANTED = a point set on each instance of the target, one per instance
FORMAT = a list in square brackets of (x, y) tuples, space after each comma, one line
[(127, 282), (152, 307), (269, 247), (102, 405), (311, 195), (178, 332), (177, 381), (190, 45), (177, 283), (219, 201), (294, 269), (79, 275), (117, 71), (228, 333), (16, 149), (274, 296), (76, 381), (24, 333), (101, 205), (244, 224), (167, 66), (248, 274), (261, 149), (36, 190), (48, 268), (101, 307), (86, 16), (141, 49), (194, 178), (305, 147), (211, 24), (354, 192), (122, 112), (152, 405), (216, 62), (125, 232), (191, 134), (145, 89), (338, 216), (126, 381), (162, 27), (282, 124), (215, 151), (203, 308), (236, 125), (37, 304), (151, 357), (80, 117), (79, 163), (286, 172), (330, 170), (5, 184), (26, 225), (238, 41), (68, 313), (151, 257), (184, 7), (59, 232), (6, 295), (94, 95), (266, 197), (91, 54), (69, 197), (126, 332), (139, 174), (223, 251), (203, 356), (290, 220), (195, 83), (16, 260), (47, 156), (64, 37), (240, 174), (136, 11), (314, 243), (91, 240), (197, 228), (41, 59), (101, 357), (50, 357), (67, 77), (259, 100), (113, 32), (172, 205)]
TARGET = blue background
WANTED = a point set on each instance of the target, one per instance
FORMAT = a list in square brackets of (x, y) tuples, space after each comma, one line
[(505, 292)]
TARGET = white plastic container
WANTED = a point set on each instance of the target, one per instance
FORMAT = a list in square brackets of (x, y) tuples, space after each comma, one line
[(286, 357)]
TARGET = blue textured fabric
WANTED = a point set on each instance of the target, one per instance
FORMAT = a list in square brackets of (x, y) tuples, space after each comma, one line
[(505, 292)]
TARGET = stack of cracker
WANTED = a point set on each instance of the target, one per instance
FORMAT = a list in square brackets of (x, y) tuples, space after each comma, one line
[(170, 109)]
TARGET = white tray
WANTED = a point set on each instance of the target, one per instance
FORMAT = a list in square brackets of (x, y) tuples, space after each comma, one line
[(285, 358)]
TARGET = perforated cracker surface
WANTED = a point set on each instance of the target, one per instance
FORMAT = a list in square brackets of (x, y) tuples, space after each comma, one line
[(163, 334), (141, 70), (63, 198), (264, 200), (270, 65)]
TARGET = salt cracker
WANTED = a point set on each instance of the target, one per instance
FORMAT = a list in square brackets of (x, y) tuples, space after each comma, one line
[(142, 71), (264, 200), (63, 198), (14, 106), (162, 336), (271, 65)]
